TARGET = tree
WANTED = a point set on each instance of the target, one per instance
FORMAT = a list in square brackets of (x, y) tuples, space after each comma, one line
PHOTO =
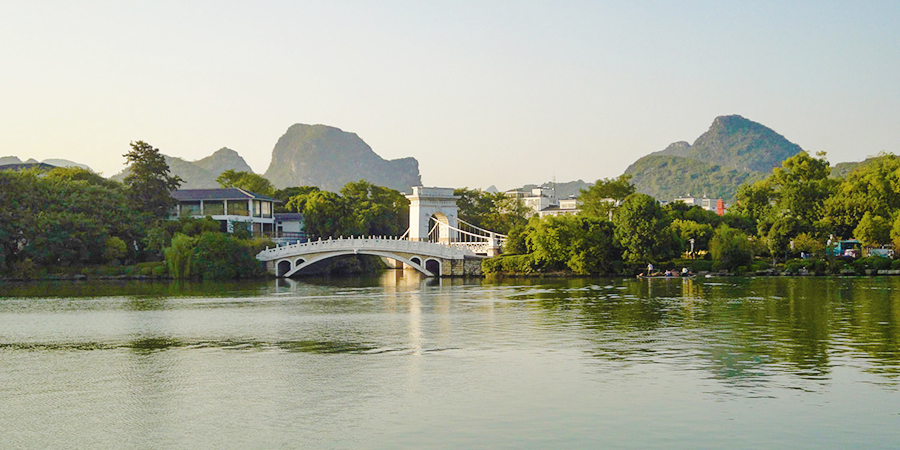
[(180, 256), (286, 194), (326, 214), (873, 230), (582, 244), (375, 210), (806, 243), (895, 235), (601, 198), (686, 230), (80, 174), (780, 234), (149, 182), (493, 211), (874, 186), (115, 249), (247, 181), (730, 248), (642, 229)]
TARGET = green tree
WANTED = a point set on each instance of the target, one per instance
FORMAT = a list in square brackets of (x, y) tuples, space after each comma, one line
[(872, 187), (730, 248), (326, 214), (781, 233), (807, 243), (516, 241), (584, 245), (802, 186), (114, 250), (180, 256), (81, 174), (247, 181), (873, 230), (641, 227), (287, 194), (375, 210), (492, 211), (686, 230), (601, 199), (895, 235), (149, 183)]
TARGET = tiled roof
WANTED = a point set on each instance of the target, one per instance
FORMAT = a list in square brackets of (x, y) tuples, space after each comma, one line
[(184, 195)]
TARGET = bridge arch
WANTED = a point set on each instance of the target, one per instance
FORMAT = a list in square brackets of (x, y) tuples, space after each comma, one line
[(283, 267), (322, 257), (433, 265), (416, 260)]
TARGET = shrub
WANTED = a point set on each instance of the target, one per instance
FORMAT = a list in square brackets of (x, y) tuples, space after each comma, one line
[(793, 266), (836, 266), (159, 270), (218, 256), (702, 265), (819, 266), (510, 264), (875, 262)]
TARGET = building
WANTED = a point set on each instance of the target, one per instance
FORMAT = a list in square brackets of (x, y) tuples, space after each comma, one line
[(230, 206), (568, 206), (542, 202), (289, 227), (716, 206)]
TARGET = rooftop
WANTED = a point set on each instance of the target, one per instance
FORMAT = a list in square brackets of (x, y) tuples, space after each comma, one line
[(218, 194)]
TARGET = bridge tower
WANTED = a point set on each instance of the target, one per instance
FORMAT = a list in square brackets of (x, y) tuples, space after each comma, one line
[(427, 203)]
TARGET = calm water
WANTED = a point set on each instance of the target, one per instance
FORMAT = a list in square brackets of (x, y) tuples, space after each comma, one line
[(400, 362)]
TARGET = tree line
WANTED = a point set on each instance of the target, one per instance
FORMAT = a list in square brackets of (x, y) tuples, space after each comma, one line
[(799, 209)]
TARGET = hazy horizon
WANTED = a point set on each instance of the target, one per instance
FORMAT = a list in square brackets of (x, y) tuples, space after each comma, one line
[(480, 93)]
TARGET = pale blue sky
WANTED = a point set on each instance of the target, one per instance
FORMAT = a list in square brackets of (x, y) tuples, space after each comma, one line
[(481, 92)]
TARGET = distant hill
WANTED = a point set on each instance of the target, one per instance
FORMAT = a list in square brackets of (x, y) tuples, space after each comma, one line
[(666, 177), (733, 151), (200, 174), (55, 162), (65, 163), (223, 159), (327, 157)]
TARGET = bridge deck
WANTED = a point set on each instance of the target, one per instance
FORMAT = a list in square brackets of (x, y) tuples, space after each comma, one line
[(371, 243)]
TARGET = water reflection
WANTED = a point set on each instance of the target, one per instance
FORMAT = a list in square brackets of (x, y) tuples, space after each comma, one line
[(733, 328)]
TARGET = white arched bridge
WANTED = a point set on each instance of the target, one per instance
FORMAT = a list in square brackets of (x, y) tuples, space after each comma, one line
[(437, 243)]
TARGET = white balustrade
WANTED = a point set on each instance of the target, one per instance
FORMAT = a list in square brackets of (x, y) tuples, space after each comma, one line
[(375, 243)]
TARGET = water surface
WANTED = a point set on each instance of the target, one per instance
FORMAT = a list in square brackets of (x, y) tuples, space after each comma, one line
[(402, 362)]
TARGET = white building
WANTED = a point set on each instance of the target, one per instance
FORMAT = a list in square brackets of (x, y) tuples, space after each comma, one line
[(542, 201), (704, 202)]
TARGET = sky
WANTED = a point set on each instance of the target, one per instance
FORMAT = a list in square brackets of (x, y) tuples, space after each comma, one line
[(481, 93)]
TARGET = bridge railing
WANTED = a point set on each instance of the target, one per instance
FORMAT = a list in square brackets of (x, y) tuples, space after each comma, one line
[(374, 243)]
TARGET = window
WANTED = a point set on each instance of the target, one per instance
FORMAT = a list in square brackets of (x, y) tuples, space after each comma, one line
[(238, 208), (190, 208), (267, 209), (213, 208)]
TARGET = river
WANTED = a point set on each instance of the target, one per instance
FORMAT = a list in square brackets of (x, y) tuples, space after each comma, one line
[(398, 361)]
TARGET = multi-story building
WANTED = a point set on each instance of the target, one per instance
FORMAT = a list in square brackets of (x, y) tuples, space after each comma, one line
[(229, 206)]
